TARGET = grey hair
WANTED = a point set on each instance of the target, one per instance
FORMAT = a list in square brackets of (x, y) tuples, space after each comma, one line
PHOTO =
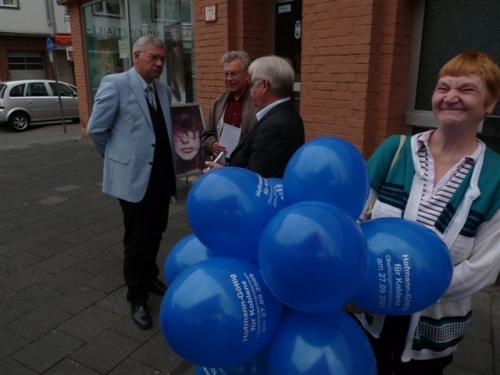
[(233, 55), (144, 40), (277, 71)]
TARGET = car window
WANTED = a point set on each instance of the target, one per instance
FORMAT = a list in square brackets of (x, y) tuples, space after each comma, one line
[(17, 91), (37, 89), (2, 89), (64, 90)]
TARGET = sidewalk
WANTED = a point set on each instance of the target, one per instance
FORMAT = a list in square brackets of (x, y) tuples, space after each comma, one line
[(62, 294)]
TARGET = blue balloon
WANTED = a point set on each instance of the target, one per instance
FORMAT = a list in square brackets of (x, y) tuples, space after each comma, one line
[(277, 185), (312, 256), (228, 208), (219, 313), (409, 267), (185, 253), (254, 366), (328, 169), (313, 344)]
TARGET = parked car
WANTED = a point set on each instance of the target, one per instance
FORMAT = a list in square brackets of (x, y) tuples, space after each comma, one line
[(28, 102)]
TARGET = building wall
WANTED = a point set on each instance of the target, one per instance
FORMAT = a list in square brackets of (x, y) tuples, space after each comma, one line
[(241, 25), (22, 43), (354, 61), (75, 18), (354, 65)]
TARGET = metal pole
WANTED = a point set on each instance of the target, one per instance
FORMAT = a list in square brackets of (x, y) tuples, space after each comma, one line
[(50, 4)]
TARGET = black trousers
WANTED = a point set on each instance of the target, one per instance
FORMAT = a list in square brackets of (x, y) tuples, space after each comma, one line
[(145, 222), (389, 347)]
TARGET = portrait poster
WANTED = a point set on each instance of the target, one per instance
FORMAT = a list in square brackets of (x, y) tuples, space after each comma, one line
[(188, 125)]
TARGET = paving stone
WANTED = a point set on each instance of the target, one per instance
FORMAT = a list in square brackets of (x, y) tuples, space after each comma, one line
[(157, 353), (11, 367), (67, 279), (474, 355), (7, 314), (66, 188), (86, 249), (69, 367), (108, 281), (98, 263), (30, 298), (105, 352), (57, 263), (24, 278), (38, 322), (48, 249), (77, 299), (10, 342), (47, 351), (132, 367), (116, 302), (5, 292), (17, 262), (50, 201), (89, 323)]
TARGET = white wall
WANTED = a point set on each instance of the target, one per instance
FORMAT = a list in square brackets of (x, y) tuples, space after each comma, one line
[(32, 17)]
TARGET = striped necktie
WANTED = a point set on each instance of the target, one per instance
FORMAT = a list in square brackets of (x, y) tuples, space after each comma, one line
[(150, 96)]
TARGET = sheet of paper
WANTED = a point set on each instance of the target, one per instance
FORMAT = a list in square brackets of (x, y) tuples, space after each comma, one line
[(229, 138)]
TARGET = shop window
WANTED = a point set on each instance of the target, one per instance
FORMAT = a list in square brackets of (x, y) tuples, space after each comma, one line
[(113, 26), (443, 29)]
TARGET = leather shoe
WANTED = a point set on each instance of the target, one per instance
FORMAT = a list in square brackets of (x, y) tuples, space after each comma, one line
[(158, 287), (141, 317)]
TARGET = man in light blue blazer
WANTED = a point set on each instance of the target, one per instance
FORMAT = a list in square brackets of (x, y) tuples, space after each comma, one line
[(131, 128)]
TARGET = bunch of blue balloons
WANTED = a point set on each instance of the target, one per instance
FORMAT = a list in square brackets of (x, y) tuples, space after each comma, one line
[(259, 286)]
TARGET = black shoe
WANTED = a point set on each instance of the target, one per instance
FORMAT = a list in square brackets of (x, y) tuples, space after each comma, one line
[(158, 287), (140, 316)]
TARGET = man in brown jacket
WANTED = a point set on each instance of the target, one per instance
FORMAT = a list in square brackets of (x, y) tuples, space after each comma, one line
[(235, 107)]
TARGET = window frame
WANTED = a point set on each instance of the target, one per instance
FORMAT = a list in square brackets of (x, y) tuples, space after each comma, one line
[(414, 117), (9, 6)]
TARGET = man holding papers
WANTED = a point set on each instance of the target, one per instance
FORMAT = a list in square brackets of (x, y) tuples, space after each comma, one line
[(232, 115)]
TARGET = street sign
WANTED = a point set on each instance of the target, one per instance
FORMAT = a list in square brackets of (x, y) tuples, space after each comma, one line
[(50, 49), (63, 39), (50, 45)]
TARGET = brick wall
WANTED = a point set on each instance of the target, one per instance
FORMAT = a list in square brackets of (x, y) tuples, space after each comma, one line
[(241, 25), (353, 72)]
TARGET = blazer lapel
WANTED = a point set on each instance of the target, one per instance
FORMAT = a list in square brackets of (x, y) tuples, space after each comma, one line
[(136, 87)]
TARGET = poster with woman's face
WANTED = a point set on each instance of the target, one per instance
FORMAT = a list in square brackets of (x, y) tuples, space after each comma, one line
[(187, 123)]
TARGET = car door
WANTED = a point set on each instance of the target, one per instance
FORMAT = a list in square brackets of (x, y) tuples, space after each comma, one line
[(69, 99), (39, 103)]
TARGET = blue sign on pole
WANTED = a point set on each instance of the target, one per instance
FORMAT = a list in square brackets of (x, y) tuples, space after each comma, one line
[(50, 45)]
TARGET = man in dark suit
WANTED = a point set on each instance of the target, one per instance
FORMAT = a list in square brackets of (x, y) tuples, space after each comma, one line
[(279, 131), (131, 127)]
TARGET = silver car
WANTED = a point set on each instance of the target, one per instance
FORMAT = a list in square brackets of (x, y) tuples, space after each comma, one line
[(27, 102)]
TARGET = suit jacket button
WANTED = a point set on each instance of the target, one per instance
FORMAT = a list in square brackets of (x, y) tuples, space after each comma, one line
[(150, 163), (152, 145)]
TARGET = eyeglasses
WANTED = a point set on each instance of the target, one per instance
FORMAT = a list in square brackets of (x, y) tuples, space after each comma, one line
[(235, 74), (153, 57)]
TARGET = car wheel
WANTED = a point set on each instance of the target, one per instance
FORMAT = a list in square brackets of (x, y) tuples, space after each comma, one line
[(19, 121)]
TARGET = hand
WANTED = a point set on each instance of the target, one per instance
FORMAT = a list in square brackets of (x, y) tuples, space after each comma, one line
[(211, 165), (217, 148), (353, 309)]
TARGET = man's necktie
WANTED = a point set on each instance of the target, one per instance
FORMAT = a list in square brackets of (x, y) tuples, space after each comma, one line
[(150, 97)]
